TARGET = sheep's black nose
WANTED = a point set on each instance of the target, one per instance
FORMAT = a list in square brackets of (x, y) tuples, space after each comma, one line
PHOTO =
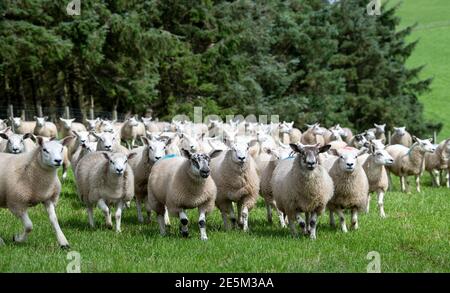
[(58, 161), (157, 158), (350, 164), (119, 170), (241, 158)]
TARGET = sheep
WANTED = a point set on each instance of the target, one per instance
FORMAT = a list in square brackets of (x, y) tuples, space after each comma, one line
[(92, 124), (84, 149), (294, 134), (401, 136), (313, 135), (3, 124), (131, 130), (437, 162), (236, 178), (346, 133), (180, 183), (107, 141), (375, 169), (409, 161), (16, 143), (379, 131), (22, 127), (189, 143), (358, 141), (31, 178), (102, 179), (351, 188), (142, 164), (150, 126), (45, 128), (68, 125), (302, 185)]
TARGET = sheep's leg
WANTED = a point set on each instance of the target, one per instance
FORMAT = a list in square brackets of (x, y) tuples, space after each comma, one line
[(301, 223), (269, 211), (64, 172), (418, 183), (28, 227), (162, 224), (104, 207), (342, 220), (202, 224), (184, 222), (292, 222), (166, 217), (50, 207), (118, 215), (244, 216), (381, 204), (313, 225), (434, 180), (390, 185), (133, 141), (280, 216), (438, 178), (448, 178), (307, 217), (139, 211), (226, 225), (239, 214), (90, 212), (355, 219), (368, 203), (232, 215), (332, 221), (402, 183)]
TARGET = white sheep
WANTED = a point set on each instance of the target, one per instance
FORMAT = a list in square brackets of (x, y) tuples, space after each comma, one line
[(410, 161), (16, 143), (236, 178), (181, 183), (102, 179), (313, 135), (358, 141), (68, 125), (107, 141), (436, 163), (351, 188), (301, 185), (45, 128), (294, 135), (375, 169), (131, 130), (84, 149), (401, 136), (3, 124), (29, 179), (22, 127), (93, 124)]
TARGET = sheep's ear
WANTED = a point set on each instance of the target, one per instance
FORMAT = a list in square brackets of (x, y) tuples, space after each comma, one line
[(95, 135), (106, 155), (431, 139), (74, 132), (66, 140), (131, 155), (362, 152), (325, 148), (334, 152), (40, 140), (186, 153), (3, 135), (214, 153), (30, 136), (45, 117), (71, 120), (35, 117), (295, 147), (145, 140), (371, 148), (415, 138)]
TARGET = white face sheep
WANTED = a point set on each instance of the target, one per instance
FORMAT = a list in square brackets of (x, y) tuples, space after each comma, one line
[(436, 163), (16, 143), (182, 183), (313, 135), (351, 188), (30, 179), (359, 141), (104, 178), (401, 136), (107, 141), (92, 124), (301, 185), (22, 127), (45, 128)]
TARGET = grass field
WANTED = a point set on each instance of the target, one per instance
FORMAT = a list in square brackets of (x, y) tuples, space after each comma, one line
[(415, 237), (433, 51)]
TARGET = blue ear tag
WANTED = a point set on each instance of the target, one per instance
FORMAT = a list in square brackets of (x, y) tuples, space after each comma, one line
[(168, 156)]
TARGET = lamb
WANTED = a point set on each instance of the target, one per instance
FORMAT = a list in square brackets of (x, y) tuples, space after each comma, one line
[(31, 178), (107, 141), (236, 178), (437, 162), (102, 179), (351, 188), (142, 164), (182, 183), (313, 135), (45, 128), (16, 143), (131, 130), (401, 136), (375, 169), (410, 161), (301, 185), (22, 127), (68, 125)]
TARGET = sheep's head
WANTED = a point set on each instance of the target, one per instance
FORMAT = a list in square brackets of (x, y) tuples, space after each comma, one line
[(133, 121), (348, 161), (360, 141), (200, 162), (15, 142), (240, 152), (378, 144), (380, 128), (118, 162), (340, 130), (92, 123), (40, 121), (309, 154), (335, 135), (156, 148), (15, 121), (381, 156), (400, 131), (146, 121), (106, 140), (425, 144), (90, 146), (81, 136), (286, 127), (189, 143), (107, 126), (52, 150), (67, 123), (316, 129), (369, 135)]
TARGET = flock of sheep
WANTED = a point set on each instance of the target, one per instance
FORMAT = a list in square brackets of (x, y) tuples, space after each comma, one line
[(183, 165)]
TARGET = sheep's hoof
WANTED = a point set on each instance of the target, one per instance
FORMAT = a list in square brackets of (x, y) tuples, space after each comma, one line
[(185, 234), (65, 247), (109, 226), (204, 238)]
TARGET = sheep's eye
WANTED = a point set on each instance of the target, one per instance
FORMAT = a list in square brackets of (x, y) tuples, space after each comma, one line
[(126, 161), (45, 151)]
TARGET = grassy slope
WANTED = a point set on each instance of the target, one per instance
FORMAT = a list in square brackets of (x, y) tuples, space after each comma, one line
[(414, 238), (433, 50)]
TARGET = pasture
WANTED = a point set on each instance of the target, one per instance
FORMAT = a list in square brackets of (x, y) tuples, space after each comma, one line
[(415, 237)]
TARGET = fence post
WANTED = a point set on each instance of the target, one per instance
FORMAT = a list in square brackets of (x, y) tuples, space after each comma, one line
[(39, 110), (91, 109), (67, 112), (10, 110), (435, 137), (389, 137), (23, 115)]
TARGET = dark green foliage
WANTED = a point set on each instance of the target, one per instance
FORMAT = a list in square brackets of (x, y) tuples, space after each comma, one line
[(306, 61)]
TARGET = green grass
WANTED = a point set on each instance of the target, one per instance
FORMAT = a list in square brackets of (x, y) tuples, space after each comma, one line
[(414, 238), (433, 51)]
